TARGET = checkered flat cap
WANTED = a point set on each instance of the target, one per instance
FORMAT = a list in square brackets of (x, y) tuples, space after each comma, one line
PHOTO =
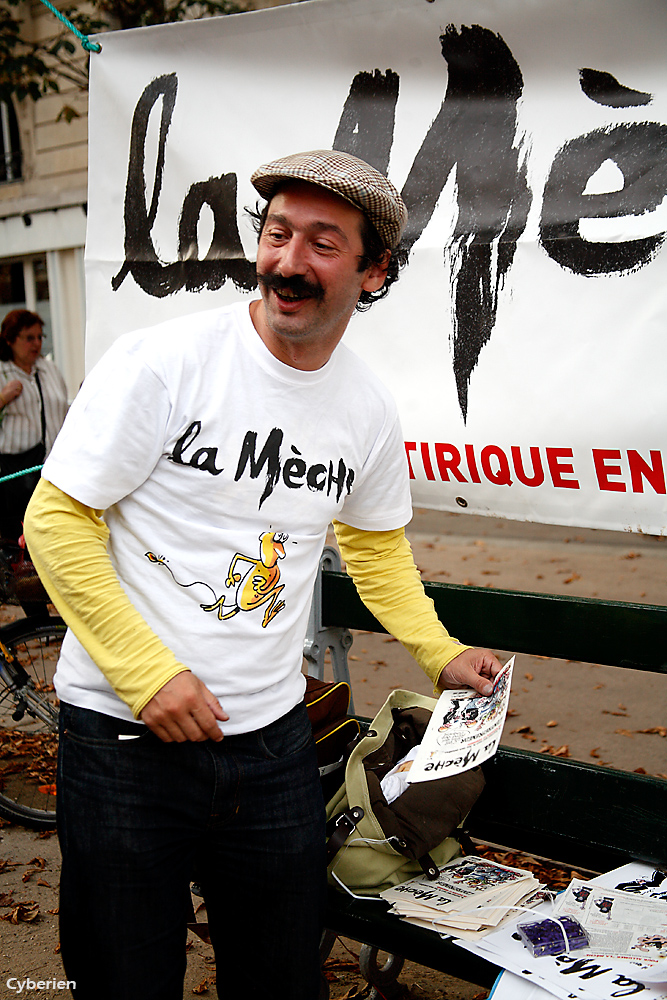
[(351, 178)]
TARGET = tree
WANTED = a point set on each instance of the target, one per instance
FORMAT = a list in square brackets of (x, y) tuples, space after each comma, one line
[(35, 68)]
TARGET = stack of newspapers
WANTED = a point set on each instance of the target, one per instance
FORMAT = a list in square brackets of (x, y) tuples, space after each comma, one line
[(470, 896)]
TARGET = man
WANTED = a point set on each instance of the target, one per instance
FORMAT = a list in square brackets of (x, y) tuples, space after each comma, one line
[(220, 446)]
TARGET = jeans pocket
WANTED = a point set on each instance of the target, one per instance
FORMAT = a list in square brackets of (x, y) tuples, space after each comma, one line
[(288, 735), (89, 728)]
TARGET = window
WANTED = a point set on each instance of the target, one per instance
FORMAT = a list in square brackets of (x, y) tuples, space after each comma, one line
[(24, 285), (10, 147)]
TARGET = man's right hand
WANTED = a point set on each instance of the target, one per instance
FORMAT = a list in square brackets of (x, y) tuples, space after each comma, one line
[(184, 709)]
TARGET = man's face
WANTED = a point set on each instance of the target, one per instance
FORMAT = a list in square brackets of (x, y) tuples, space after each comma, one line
[(307, 266)]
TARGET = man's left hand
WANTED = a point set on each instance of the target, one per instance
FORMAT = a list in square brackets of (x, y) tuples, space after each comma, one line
[(473, 668)]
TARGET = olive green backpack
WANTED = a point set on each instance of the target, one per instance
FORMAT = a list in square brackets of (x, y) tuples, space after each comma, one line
[(376, 845)]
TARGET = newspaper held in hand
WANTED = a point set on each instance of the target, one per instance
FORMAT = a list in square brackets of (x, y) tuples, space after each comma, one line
[(464, 730)]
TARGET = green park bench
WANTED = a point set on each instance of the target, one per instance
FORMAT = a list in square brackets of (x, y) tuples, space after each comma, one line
[(570, 813)]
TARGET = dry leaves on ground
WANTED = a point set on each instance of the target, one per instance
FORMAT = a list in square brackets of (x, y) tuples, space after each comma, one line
[(23, 912)]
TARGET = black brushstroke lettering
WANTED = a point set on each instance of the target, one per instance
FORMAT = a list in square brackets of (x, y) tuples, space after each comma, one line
[(203, 458), (475, 130), (294, 470), (183, 441), (584, 968), (269, 456), (337, 478), (640, 152), (603, 88), (225, 256), (366, 126), (317, 477), (629, 987)]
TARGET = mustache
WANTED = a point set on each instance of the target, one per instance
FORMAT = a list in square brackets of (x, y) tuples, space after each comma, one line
[(295, 284)]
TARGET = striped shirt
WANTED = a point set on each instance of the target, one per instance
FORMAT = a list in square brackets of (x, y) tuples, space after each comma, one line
[(21, 420)]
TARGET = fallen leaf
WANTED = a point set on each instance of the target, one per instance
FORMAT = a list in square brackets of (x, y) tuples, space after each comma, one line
[(571, 579), (357, 992), (47, 789), (529, 677), (522, 729), (640, 770), (551, 724), (624, 732), (654, 730), (6, 898), (341, 963), (594, 752), (24, 912), (204, 984)]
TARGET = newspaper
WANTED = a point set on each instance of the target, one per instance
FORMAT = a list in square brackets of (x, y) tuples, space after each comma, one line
[(464, 730), (469, 894), (583, 974), (618, 924)]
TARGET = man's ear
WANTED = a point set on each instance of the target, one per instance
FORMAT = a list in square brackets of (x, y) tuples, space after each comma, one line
[(376, 274)]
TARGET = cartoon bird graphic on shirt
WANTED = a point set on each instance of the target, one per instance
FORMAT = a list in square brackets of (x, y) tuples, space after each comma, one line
[(254, 581)]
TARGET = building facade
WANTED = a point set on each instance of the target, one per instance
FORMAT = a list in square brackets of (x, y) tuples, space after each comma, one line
[(43, 178), (43, 204)]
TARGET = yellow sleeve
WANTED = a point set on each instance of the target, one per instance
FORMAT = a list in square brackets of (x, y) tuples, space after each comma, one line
[(68, 545), (384, 572)]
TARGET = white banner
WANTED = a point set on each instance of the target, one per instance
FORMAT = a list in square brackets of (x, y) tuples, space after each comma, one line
[(526, 341)]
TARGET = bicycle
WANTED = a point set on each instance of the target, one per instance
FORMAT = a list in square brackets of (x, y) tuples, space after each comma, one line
[(29, 650)]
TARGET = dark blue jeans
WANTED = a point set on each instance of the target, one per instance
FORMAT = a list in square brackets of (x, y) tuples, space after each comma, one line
[(139, 819)]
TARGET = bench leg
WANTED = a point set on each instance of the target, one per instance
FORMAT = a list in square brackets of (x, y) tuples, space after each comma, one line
[(383, 979)]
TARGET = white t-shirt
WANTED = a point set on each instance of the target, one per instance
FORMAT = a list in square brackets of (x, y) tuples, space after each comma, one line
[(219, 469)]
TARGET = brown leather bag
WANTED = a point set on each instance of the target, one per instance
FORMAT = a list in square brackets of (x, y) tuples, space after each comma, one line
[(335, 731)]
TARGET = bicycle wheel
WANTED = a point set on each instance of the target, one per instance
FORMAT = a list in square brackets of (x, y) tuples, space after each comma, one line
[(29, 651)]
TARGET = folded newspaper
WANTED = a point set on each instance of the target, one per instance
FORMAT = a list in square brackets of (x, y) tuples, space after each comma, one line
[(469, 896), (464, 730)]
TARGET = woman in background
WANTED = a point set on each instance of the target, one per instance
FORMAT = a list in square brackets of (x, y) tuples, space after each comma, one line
[(33, 404)]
